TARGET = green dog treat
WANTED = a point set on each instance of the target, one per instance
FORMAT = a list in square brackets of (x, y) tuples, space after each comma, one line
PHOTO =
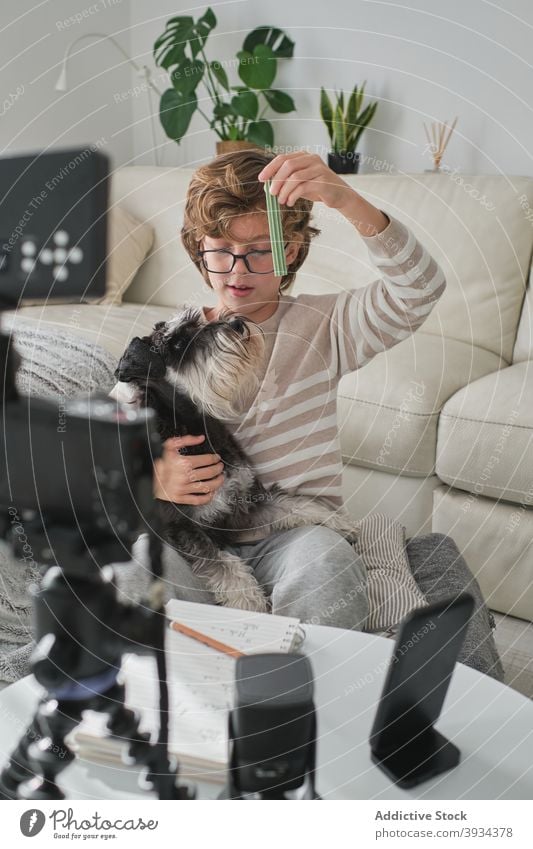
[(276, 232)]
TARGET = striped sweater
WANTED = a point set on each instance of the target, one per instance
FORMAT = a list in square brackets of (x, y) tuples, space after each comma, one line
[(290, 431)]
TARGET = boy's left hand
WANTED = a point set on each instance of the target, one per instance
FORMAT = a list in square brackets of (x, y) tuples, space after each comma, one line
[(305, 175)]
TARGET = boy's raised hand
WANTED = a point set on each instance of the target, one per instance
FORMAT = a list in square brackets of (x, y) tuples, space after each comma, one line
[(305, 175)]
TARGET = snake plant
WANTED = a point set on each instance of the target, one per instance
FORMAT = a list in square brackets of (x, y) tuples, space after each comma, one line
[(345, 127)]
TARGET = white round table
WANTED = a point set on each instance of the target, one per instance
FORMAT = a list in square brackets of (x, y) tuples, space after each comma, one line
[(491, 724)]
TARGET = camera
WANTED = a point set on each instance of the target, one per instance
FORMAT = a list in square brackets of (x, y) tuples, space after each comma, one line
[(79, 474)]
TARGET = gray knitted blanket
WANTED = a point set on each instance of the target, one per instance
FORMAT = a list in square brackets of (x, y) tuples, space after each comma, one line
[(58, 364), (15, 614)]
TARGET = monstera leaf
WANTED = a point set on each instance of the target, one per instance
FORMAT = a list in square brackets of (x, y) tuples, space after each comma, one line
[(280, 44), (261, 133), (279, 101), (220, 74), (188, 74), (246, 105), (180, 32), (257, 69), (175, 111)]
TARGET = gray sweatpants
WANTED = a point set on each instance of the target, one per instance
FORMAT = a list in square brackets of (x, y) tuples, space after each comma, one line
[(312, 573)]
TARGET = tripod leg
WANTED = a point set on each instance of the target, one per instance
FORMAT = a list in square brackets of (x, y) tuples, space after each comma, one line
[(124, 723), (18, 768), (50, 755)]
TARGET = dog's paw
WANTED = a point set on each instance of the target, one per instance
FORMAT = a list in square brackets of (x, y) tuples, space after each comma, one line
[(247, 600), (237, 587)]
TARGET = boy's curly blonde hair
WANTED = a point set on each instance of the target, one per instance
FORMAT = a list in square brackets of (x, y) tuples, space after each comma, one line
[(228, 187)]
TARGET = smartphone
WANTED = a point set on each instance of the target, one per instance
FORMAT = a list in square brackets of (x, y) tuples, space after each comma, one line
[(403, 740)]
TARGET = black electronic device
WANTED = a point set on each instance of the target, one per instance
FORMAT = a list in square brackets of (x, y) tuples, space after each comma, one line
[(77, 474), (83, 463), (272, 729), (53, 235), (403, 740)]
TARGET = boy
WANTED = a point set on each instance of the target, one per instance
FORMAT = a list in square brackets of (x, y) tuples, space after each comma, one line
[(290, 430)]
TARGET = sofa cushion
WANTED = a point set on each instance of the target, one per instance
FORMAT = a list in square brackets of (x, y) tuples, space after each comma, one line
[(495, 538), (388, 410), (485, 443), (157, 195), (129, 242), (392, 590), (111, 326)]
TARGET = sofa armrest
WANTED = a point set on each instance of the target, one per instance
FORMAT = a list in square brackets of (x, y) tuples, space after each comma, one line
[(389, 410), (485, 443)]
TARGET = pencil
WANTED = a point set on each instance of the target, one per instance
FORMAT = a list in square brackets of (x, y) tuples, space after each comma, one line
[(203, 638)]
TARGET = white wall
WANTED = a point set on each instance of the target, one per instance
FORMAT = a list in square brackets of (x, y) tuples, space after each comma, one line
[(33, 40), (424, 61)]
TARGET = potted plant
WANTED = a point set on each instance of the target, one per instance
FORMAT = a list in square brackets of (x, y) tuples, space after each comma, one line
[(345, 128), (236, 116)]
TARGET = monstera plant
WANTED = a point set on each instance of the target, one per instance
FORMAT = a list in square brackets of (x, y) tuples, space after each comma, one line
[(236, 114)]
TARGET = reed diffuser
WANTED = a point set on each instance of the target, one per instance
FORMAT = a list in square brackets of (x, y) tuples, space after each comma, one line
[(438, 136)]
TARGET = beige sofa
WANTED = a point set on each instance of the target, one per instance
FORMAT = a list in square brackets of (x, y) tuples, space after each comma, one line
[(437, 431)]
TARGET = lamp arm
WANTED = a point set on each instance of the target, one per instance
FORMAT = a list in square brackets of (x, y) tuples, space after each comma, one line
[(101, 35)]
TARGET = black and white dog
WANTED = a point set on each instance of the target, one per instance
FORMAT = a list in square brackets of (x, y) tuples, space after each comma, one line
[(194, 373)]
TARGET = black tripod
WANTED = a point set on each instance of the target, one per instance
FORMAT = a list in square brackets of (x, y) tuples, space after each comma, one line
[(84, 493), (81, 631)]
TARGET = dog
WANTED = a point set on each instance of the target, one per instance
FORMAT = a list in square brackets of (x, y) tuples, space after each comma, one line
[(194, 374)]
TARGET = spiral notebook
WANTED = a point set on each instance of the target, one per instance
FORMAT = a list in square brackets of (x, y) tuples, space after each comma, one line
[(201, 686)]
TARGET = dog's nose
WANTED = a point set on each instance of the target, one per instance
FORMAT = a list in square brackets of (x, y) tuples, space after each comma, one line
[(238, 325)]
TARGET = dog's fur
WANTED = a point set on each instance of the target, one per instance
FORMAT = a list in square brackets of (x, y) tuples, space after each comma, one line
[(192, 373)]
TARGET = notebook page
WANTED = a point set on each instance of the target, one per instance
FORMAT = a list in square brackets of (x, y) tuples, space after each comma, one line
[(241, 629)]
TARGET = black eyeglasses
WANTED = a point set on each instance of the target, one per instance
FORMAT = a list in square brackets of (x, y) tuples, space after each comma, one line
[(222, 261)]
